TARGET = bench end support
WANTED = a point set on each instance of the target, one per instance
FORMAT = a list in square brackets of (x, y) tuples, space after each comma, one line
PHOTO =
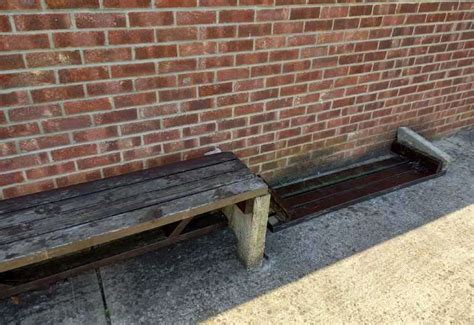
[(250, 229)]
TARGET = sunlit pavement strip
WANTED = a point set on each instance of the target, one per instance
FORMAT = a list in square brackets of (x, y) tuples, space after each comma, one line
[(425, 275)]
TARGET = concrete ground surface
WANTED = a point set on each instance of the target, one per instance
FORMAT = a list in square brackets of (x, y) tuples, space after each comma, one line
[(407, 256)]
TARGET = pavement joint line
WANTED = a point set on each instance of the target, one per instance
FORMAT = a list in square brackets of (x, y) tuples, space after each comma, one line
[(104, 299)]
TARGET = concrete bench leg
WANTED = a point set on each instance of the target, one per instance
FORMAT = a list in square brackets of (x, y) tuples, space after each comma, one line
[(250, 228)]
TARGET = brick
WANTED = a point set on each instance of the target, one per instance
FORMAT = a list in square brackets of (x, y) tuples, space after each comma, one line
[(34, 113), (74, 152), (210, 32), (78, 39), (97, 161), (78, 178), (217, 3), (279, 80), (26, 79), (233, 74), (44, 142), (3, 119), (364, 10), (270, 42), (301, 40), (96, 134), (155, 83), (109, 87), (236, 46), (132, 100), (288, 27), (131, 36), (319, 25), (232, 99), (24, 161), (236, 16), (71, 4), (284, 55), (67, 123), (273, 14), (42, 22), (177, 34), (175, 3), (215, 89), (256, 2), (123, 169), (334, 12), (14, 98), (156, 52), (116, 116), (140, 127), (120, 144), (7, 149), (216, 62), (177, 94), (127, 3), (266, 70), (196, 105), (11, 178), (137, 69), (252, 58), (46, 59), (100, 20), (86, 106), (23, 42), (48, 171), (180, 145), (180, 120), (194, 49), (177, 66), (195, 17), (107, 55), (264, 94), (304, 13), (249, 30), (57, 94), (199, 129), (18, 130), (83, 74), (20, 5), (195, 78), (145, 19), (25, 189), (11, 62), (216, 115), (5, 24)]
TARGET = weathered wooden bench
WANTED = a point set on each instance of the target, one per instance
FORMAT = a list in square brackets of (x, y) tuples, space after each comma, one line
[(48, 225)]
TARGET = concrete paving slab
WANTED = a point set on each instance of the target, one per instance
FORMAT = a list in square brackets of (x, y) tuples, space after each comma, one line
[(75, 301), (405, 256)]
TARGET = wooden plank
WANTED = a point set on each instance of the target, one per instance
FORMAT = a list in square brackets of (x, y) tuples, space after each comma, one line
[(357, 192), (325, 180), (33, 200), (110, 201), (322, 193), (62, 242), (104, 209)]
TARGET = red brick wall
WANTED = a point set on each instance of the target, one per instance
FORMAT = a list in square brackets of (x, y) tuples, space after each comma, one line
[(95, 88)]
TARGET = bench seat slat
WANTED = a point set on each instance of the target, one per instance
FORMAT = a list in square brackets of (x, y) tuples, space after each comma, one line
[(104, 209), (33, 200), (111, 201), (69, 240)]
